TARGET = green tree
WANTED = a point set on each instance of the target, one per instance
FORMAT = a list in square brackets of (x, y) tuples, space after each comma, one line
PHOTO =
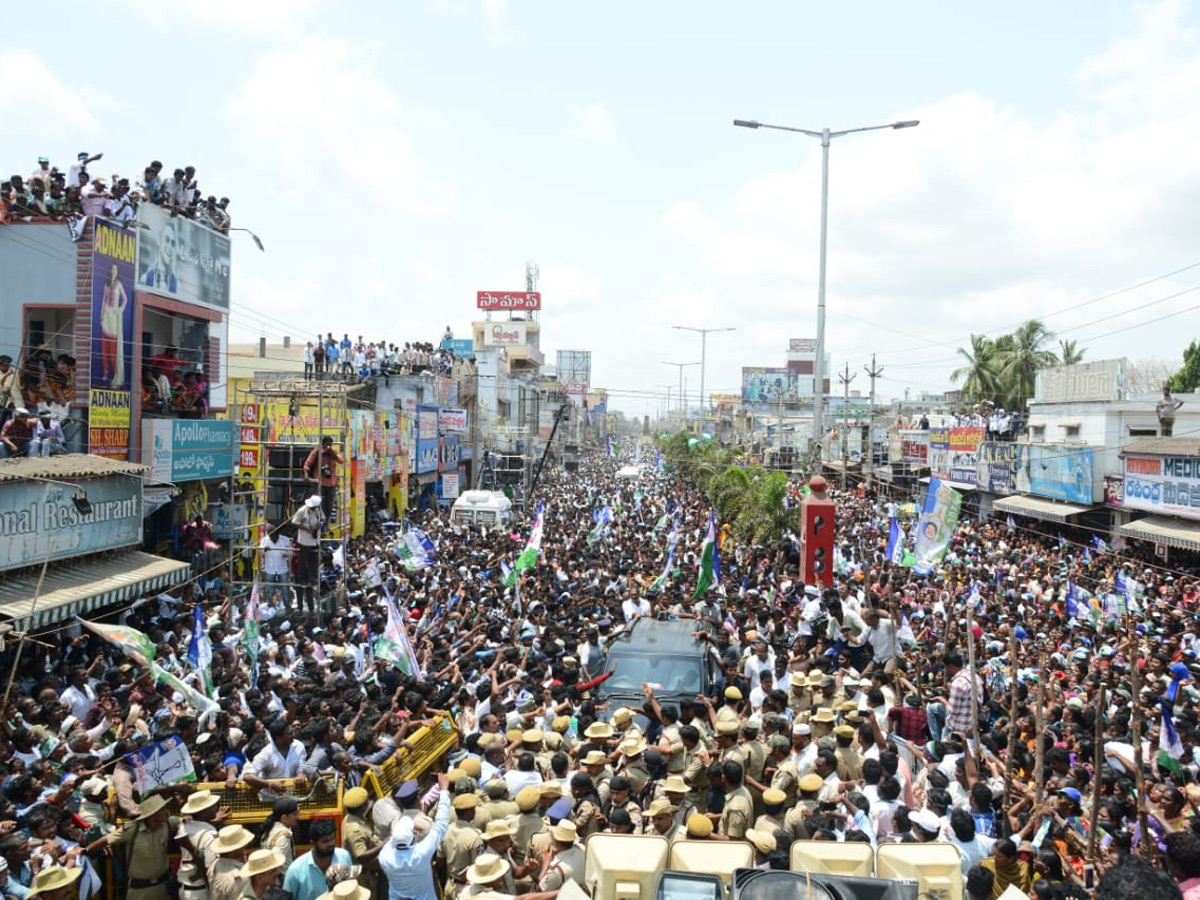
[(979, 373), (1187, 379), (1069, 354), (1020, 360), (763, 517)]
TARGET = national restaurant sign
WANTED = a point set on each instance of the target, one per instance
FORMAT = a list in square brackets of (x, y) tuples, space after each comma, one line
[(508, 301)]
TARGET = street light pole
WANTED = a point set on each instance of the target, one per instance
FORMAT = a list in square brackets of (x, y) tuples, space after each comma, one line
[(824, 136), (680, 367), (704, 333)]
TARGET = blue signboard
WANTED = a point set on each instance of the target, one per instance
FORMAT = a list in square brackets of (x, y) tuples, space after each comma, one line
[(997, 466), (449, 460), (40, 521), (428, 456), (1058, 471), (179, 450), (463, 349)]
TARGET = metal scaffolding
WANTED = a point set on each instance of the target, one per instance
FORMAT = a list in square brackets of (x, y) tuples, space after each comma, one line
[(281, 422)]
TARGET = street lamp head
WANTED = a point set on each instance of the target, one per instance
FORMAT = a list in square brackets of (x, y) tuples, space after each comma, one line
[(745, 123), (907, 123)]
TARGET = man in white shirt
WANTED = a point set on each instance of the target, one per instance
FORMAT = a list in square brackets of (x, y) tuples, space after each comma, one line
[(282, 758), (276, 560), (79, 695)]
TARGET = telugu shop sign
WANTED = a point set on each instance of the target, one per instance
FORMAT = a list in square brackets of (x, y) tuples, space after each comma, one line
[(508, 300)]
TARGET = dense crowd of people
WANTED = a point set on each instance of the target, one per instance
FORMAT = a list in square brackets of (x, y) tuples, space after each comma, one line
[(52, 193), (841, 712), (328, 358)]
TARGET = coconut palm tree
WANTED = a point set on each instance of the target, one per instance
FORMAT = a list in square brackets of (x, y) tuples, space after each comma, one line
[(1069, 354), (979, 373), (1020, 360)]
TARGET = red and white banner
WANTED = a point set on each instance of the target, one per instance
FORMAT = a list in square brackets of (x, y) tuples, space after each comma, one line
[(508, 300)]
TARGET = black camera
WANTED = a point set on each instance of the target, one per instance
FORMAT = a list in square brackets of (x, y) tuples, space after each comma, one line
[(327, 471)]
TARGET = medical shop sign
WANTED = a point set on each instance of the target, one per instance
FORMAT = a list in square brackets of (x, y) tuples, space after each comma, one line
[(1163, 484)]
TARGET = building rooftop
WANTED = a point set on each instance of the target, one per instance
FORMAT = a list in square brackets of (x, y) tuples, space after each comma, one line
[(66, 467), (1165, 446)]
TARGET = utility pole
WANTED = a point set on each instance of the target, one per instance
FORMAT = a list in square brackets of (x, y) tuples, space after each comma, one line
[(845, 378), (873, 373)]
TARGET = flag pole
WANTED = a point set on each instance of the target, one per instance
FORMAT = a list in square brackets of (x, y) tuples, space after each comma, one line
[(1096, 767), (1136, 688), (1011, 755), (1040, 750), (974, 677)]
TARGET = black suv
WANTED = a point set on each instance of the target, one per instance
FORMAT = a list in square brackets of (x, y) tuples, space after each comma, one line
[(660, 653)]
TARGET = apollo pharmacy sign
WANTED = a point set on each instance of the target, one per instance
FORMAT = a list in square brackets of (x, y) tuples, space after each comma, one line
[(39, 521)]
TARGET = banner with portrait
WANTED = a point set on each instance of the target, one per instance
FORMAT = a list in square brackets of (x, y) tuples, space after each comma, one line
[(113, 262), (181, 259), (935, 527)]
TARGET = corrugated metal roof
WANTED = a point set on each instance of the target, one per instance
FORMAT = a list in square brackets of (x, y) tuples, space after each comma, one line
[(1164, 446), (82, 586), (1168, 530), (66, 467)]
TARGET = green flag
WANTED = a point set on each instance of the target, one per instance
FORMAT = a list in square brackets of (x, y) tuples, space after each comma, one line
[(706, 579)]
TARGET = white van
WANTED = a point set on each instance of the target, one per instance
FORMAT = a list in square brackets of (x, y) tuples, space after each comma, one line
[(629, 473), (489, 509)]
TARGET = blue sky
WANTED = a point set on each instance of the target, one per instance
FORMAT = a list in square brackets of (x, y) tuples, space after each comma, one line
[(397, 157)]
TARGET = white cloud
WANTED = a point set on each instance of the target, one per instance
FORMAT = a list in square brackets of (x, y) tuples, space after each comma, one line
[(592, 122), (44, 105), (980, 217), (318, 109), (494, 15)]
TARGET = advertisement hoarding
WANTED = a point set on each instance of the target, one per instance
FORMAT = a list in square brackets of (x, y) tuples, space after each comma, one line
[(765, 385), (1098, 381), (1058, 471), (450, 486), (914, 447), (504, 334), (181, 259), (508, 300), (428, 456), (39, 520), (448, 460), (463, 348), (1163, 484), (452, 421), (114, 260), (939, 452), (109, 423), (997, 466), (802, 345), (179, 450), (964, 454), (427, 423)]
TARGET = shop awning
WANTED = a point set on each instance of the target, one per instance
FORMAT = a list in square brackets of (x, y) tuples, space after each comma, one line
[(1037, 508), (1167, 530), (80, 586)]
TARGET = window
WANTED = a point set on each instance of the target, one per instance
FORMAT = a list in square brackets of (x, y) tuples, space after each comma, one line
[(1143, 432), (1070, 431), (1037, 432)]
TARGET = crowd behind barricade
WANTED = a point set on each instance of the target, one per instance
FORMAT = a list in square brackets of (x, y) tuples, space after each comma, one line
[(52, 193), (839, 713), (328, 358)]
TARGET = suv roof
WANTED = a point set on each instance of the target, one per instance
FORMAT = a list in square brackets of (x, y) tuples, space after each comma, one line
[(654, 635)]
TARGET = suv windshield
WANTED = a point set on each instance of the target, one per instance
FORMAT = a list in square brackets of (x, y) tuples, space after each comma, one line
[(675, 674)]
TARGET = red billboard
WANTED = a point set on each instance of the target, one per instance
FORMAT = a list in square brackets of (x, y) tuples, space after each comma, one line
[(508, 300)]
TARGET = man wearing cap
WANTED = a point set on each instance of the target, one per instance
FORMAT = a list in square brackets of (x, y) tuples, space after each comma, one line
[(595, 766), (195, 836), (406, 862), (358, 837), (229, 854), (308, 521), (10, 389), (497, 840), (633, 763), (497, 806), (527, 823), (729, 709), (563, 861), (772, 818), (261, 872), (795, 820), (48, 438), (849, 762), (145, 839), (620, 797), (804, 748), (695, 770), (585, 814), (461, 844), (660, 820), (387, 809)]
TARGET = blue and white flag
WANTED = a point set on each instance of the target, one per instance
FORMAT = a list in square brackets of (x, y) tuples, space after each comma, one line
[(167, 762), (415, 550), (1170, 747), (1076, 608), (895, 544), (658, 465), (200, 652), (603, 520), (716, 560), (1099, 543)]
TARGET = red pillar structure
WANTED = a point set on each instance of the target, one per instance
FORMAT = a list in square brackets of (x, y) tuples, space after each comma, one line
[(817, 513)]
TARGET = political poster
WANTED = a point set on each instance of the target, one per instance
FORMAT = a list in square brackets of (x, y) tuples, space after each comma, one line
[(935, 527), (182, 259), (166, 762)]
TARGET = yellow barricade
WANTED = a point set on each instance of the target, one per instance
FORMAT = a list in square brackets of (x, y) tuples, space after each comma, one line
[(428, 745)]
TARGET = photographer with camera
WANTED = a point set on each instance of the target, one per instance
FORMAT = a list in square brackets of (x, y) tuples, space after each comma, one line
[(322, 467), (308, 520)]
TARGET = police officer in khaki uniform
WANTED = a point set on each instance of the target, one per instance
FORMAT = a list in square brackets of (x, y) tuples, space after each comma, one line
[(633, 763), (527, 824), (660, 820), (849, 762), (595, 764), (195, 836), (620, 797), (359, 838), (147, 861), (461, 843), (795, 822), (261, 871), (774, 806), (785, 776), (498, 806), (586, 813), (738, 814), (225, 874), (695, 771), (728, 749), (566, 862)]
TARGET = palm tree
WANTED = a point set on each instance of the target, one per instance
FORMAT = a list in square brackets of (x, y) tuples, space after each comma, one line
[(1069, 354), (1020, 361), (979, 373)]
